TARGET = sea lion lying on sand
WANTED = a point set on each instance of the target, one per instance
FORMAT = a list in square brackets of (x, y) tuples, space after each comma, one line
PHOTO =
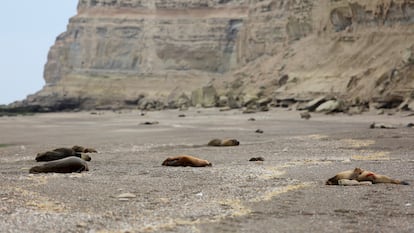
[(65, 165), (224, 142), (362, 175), (256, 159), (186, 160), (60, 153)]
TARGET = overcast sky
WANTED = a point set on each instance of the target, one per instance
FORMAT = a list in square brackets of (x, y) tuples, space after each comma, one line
[(28, 30)]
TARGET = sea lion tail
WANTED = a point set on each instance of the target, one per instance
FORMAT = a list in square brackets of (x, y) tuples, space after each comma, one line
[(332, 181), (34, 170)]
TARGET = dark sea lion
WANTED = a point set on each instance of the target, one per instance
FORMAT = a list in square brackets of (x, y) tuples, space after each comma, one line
[(65, 165), (359, 174), (149, 123), (59, 154), (186, 160), (257, 159), (224, 142), (67, 151), (50, 156), (259, 131)]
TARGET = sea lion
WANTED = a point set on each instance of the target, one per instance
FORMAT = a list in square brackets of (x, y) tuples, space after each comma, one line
[(224, 142), (186, 160), (377, 178), (257, 159), (230, 142), (362, 175), (214, 142), (259, 131), (67, 151), (59, 154), (149, 123), (65, 165), (50, 156), (349, 175), (84, 149)]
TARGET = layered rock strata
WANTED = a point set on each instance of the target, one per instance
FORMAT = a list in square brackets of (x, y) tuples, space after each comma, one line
[(122, 52)]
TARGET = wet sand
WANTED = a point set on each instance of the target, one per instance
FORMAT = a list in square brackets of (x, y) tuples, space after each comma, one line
[(285, 193)]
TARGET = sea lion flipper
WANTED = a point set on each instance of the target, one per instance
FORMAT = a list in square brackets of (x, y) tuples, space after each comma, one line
[(405, 183)]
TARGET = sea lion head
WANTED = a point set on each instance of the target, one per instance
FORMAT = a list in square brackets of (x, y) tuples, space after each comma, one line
[(40, 155), (90, 150), (85, 157), (357, 171), (78, 148)]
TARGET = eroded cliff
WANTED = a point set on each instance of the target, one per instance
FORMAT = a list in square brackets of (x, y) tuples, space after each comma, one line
[(122, 52)]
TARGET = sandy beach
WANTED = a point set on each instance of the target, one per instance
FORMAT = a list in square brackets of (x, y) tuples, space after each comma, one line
[(127, 189)]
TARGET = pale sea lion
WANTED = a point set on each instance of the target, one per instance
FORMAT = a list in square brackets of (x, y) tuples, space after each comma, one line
[(230, 142), (377, 178), (362, 175), (224, 142), (214, 142), (65, 165), (186, 160)]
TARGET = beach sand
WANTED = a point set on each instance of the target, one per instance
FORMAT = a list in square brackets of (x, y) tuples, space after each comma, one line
[(127, 190)]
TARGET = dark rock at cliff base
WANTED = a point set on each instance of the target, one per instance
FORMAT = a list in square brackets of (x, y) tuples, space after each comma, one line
[(392, 101), (39, 104)]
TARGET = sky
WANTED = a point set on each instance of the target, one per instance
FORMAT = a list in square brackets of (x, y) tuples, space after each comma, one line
[(28, 30)]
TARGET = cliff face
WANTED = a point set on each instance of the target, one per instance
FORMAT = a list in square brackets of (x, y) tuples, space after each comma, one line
[(117, 51)]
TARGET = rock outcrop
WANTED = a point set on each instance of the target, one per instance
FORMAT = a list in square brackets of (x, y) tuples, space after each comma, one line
[(121, 52)]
